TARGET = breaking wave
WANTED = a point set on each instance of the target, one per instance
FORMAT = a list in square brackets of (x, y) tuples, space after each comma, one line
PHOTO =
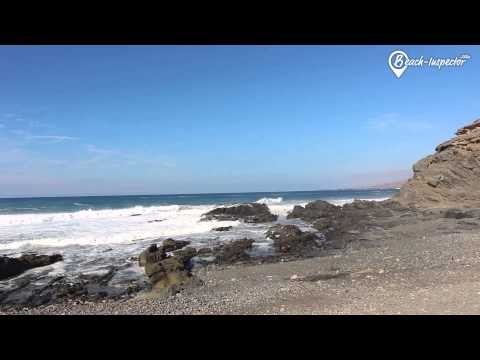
[(268, 201)]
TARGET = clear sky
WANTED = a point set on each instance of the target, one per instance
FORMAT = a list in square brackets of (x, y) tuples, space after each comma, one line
[(186, 119)]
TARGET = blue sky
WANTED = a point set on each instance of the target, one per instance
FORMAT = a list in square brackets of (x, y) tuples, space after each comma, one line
[(97, 120)]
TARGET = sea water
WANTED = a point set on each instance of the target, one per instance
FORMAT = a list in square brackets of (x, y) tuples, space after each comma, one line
[(95, 232)]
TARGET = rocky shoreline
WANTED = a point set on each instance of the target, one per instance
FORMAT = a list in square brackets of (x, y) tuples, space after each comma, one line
[(393, 256), (426, 263)]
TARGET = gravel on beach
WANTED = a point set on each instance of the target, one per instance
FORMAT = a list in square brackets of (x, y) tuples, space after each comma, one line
[(419, 266)]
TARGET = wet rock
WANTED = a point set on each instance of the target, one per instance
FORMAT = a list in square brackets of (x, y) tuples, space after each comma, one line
[(204, 252), (249, 213), (152, 254), (87, 287), (185, 255), (98, 278), (314, 210), (223, 228), (172, 245), (168, 274), (232, 252), (155, 253), (10, 267), (290, 239), (342, 224)]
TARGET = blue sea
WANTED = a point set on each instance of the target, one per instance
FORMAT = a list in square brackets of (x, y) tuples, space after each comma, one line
[(94, 233), (76, 203)]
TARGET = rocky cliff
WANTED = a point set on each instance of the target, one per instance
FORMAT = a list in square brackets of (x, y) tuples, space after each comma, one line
[(448, 178)]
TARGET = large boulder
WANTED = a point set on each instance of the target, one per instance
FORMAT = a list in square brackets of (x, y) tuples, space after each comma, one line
[(154, 253), (290, 239), (233, 251), (342, 224), (168, 274), (448, 178), (10, 267), (172, 245), (250, 213), (314, 210), (185, 255), (151, 255)]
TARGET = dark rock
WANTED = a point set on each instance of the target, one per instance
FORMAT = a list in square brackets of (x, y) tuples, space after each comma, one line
[(457, 214), (233, 251), (172, 245), (10, 267), (343, 224), (99, 279), (185, 255), (151, 254), (223, 228), (136, 215), (290, 239), (250, 213), (155, 221), (314, 210), (204, 252), (87, 287)]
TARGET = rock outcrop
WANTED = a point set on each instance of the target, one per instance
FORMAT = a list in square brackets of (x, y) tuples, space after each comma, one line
[(228, 253), (172, 245), (342, 224), (34, 289), (159, 253), (168, 274), (10, 267), (450, 178), (290, 239), (233, 251), (223, 228), (249, 213), (314, 210)]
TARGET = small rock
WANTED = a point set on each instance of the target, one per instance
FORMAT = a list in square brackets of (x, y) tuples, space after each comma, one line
[(223, 228)]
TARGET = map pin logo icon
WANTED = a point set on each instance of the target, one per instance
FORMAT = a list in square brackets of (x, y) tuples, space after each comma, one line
[(397, 61)]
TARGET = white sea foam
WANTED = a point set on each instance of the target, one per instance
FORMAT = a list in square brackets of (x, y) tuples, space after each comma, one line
[(24, 219), (282, 210), (342, 202), (19, 232), (80, 204), (269, 201), (93, 240), (95, 227)]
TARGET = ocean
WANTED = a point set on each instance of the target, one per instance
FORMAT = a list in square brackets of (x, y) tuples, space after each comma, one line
[(95, 232)]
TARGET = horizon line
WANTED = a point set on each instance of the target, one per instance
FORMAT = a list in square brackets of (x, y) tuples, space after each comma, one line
[(200, 193)]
